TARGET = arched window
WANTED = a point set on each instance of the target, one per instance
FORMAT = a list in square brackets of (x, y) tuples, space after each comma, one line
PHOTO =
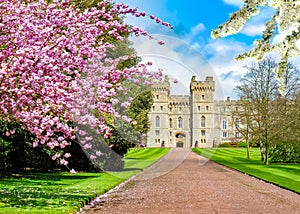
[(224, 123), (157, 121), (180, 122), (203, 121), (170, 123)]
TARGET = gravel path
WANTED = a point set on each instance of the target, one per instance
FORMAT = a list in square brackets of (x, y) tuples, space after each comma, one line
[(183, 182)]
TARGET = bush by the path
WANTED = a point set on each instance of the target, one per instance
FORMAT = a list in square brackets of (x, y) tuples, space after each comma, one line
[(285, 152)]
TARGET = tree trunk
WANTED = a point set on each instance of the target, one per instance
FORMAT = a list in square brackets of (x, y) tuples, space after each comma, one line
[(262, 152), (267, 154), (248, 149)]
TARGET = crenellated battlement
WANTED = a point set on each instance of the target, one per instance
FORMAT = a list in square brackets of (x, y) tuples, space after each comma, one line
[(202, 86)]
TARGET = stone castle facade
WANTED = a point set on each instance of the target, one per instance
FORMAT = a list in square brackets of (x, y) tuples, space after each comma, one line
[(195, 120)]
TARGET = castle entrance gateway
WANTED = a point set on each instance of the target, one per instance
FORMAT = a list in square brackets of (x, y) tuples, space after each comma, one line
[(180, 139), (179, 144)]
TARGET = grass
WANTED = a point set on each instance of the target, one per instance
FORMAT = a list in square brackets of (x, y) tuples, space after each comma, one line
[(64, 192), (283, 175)]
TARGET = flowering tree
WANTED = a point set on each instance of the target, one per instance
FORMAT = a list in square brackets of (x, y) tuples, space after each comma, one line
[(50, 56), (284, 22)]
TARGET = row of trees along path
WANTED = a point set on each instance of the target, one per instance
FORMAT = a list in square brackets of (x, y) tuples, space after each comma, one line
[(183, 182)]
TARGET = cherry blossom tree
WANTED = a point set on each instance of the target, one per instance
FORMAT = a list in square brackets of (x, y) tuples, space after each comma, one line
[(54, 70), (285, 23)]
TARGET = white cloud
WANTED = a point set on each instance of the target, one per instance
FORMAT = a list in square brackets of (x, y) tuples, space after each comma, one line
[(181, 61), (222, 61), (237, 3), (197, 29), (253, 29), (177, 58)]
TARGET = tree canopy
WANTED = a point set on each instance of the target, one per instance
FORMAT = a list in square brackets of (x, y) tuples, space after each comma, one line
[(285, 22), (55, 69)]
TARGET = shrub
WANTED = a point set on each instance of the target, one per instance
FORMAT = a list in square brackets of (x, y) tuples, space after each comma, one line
[(242, 144), (286, 152), (225, 145)]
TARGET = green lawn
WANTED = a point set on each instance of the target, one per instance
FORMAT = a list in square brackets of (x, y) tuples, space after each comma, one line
[(284, 175), (65, 192)]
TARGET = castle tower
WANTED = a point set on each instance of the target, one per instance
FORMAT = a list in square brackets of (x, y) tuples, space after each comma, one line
[(158, 116), (204, 131)]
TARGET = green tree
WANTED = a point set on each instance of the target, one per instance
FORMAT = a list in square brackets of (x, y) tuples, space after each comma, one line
[(266, 114), (259, 89), (138, 111)]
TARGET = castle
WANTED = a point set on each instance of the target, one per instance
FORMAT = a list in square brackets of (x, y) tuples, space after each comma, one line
[(195, 120)]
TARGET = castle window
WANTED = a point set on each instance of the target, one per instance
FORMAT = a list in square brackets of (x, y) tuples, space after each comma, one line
[(157, 133), (207, 108), (170, 123), (224, 124), (157, 122), (224, 109), (157, 97), (224, 134), (153, 108), (202, 97), (180, 122), (203, 133), (170, 135), (204, 140), (198, 108), (161, 108), (180, 109), (203, 120), (237, 123)]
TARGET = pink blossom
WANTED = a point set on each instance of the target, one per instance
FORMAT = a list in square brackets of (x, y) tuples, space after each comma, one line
[(98, 153), (89, 138), (72, 171), (136, 81), (147, 83), (92, 157), (35, 144), (67, 155), (81, 132), (161, 42), (87, 146), (63, 162), (45, 88), (125, 104)]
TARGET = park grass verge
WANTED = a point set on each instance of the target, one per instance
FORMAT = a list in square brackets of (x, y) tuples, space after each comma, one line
[(64, 192), (283, 175)]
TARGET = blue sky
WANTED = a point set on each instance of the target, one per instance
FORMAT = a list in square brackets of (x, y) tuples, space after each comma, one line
[(193, 21)]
